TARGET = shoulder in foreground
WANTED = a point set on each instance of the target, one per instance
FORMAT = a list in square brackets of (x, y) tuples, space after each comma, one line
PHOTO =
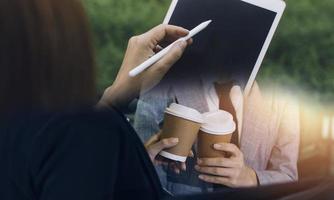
[(84, 123), (106, 119)]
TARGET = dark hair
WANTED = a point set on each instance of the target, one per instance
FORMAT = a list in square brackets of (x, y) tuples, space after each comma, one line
[(46, 55)]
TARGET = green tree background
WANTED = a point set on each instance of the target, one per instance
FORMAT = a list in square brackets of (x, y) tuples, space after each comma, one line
[(301, 54)]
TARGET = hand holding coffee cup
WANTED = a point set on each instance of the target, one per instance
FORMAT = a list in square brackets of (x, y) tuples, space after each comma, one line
[(154, 146), (183, 123), (218, 127)]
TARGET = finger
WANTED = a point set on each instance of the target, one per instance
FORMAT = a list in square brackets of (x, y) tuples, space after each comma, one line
[(164, 163), (215, 179), (154, 139), (158, 162), (217, 162), (161, 161), (156, 148), (177, 170), (164, 32), (163, 65), (183, 166), (228, 147), (173, 166), (191, 154), (190, 41), (217, 171), (168, 41), (157, 49)]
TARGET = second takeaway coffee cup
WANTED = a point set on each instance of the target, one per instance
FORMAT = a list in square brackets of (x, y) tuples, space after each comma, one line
[(218, 127), (183, 123)]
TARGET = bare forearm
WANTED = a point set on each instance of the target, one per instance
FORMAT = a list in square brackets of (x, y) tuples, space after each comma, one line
[(126, 88), (116, 96)]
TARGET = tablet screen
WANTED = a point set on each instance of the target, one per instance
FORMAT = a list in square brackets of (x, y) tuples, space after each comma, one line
[(230, 46)]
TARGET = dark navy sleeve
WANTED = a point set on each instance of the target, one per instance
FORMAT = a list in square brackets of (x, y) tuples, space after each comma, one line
[(90, 157)]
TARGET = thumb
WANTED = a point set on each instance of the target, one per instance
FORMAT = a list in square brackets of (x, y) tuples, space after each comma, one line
[(156, 148)]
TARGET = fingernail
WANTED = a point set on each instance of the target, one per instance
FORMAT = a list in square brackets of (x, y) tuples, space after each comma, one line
[(217, 146), (201, 177), (182, 44), (174, 140), (199, 161), (197, 167)]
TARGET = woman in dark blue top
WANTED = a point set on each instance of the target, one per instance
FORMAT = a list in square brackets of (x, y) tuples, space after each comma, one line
[(54, 142), (79, 155)]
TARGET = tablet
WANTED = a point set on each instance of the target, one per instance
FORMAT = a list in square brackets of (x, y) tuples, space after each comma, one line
[(235, 43)]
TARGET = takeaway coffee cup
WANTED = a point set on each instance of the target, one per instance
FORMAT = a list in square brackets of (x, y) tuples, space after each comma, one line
[(218, 127), (183, 123)]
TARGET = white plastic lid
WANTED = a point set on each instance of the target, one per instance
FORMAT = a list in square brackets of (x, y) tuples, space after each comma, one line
[(173, 156), (185, 113), (218, 123)]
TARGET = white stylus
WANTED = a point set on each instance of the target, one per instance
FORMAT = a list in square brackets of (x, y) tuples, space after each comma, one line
[(139, 69)]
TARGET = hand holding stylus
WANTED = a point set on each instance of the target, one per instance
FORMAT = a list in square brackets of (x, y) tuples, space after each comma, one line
[(140, 48), (148, 63)]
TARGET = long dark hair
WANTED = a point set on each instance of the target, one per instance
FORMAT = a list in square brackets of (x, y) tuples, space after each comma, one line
[(46, 55)]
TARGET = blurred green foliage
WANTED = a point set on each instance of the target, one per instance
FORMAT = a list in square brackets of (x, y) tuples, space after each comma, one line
[(113, 23), (301, 54)]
